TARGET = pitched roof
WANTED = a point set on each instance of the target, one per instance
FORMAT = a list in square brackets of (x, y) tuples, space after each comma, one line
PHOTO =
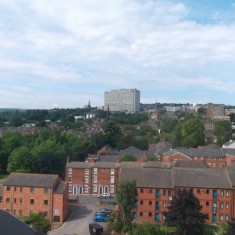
[(60, 187), (230, 151), (10, 225), (105, 165), (130, 165), (188, 164), (231, 174), (158, 149), (31, 180), (201, 178), (229, 142), (78, 165), (149, 177), (156, 164), (133, 151)]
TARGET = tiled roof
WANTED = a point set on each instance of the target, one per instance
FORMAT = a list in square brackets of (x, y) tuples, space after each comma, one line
[(188, 164), (78, 165), (149, 177), (156, 164), (133, 151), (230, 151), (130, 165), (10, 225), (231, 174), (108, 158), (60, 187), (31, 180), (105, 165), (201, 178)]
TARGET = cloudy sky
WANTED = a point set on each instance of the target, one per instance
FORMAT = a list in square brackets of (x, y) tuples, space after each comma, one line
[(57, 53)]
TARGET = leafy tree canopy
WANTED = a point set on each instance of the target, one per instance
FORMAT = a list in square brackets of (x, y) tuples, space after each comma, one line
[(223, 131), (128, 158), (185, 213)]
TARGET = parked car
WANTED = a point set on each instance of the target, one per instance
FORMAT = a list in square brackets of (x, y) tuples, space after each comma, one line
[(104, 195), (103, 213), (106, 210), (101, 217)]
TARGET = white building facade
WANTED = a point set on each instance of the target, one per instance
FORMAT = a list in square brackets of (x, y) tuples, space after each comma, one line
[(127, 100)]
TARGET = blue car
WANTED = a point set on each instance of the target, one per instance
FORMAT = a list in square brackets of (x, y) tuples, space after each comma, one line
[(101, 217)]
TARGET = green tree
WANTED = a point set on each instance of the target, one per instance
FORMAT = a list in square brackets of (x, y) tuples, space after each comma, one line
[(128, 158), (38, 222), (185, 213), (112, 133), (223, 131), (127, 199), (169, 125), (21, 160), (192, 133)]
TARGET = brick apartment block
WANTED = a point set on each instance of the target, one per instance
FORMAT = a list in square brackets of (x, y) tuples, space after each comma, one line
[(23, 194)]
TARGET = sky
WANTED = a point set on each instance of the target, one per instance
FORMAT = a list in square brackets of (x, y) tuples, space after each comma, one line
[(61, 54)]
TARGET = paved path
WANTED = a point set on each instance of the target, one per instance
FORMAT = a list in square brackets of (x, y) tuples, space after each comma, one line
[(80, 217)]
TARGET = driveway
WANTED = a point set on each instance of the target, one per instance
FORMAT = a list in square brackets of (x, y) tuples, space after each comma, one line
[(80, 217)]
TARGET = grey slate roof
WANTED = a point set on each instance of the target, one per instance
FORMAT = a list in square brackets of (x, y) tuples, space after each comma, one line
[(201, 178), (188, 164), (10, 225), (130, 165), (108, 158), (230, 151), (31, 180), (105, 165), (158, 149), (231, 173), (60, 187), (156, 164), (137, 153), (78, 165), (149, 177)]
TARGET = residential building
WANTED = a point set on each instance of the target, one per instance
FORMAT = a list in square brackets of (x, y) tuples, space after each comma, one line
[(126, 100), (23, 194), (215, 110)]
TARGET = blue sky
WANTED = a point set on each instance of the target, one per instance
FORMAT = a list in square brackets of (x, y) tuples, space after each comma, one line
[(56, 53)]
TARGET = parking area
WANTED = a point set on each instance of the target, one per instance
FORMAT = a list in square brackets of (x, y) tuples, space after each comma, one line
[(81, 215)]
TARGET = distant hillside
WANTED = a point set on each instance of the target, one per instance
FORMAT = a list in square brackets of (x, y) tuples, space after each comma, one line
[(10, 110)]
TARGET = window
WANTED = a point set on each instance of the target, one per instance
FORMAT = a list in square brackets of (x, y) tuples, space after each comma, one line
[(70, 170), (45, 213), (95, 179), (21, 201), (150, 214), (141, 213), (226, 217), (112, 171), (8, 210), (57, 212), (14, 211), (112, 179), (8, 188), (164, 204), (21, 189), (141, 190), (220, 164), (46, 190), (227, 205), (86, 179), (209, 164), (141, 203), (209, 158), (95, 170), (32, 190), (150, 203), (86, 188), (15, 189), (95, 188), (8, 200), (207, 203), (86, 171), (169, 192), (222, 193), (14, 200), (31, 201), (221, 205), (227, 193), (198, 191), (221, 217), (111, 188), (31, 212), (70, 178), (150, 191), (20, 212), (164, 192), (207, 191), (70, 188), (45, 202)]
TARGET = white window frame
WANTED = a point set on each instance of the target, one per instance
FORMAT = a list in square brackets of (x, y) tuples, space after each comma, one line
[(222, 193), (221, 217), (86, 179), (95, 188), (226, 217), (57, 212), (111, 188), (95, 179), (95, 170), (86, 171), (112, 171), (221, 205), (70, 170), (86, 188), (112, 179), (227, 193), (227, 205)]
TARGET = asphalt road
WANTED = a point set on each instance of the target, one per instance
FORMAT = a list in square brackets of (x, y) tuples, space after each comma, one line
[(80, 217)]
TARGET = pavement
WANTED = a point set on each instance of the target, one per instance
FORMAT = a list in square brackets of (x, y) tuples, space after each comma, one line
[(80, 217)]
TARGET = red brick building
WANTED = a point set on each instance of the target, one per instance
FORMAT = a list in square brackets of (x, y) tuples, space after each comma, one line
[(213, 188), (23, 194)]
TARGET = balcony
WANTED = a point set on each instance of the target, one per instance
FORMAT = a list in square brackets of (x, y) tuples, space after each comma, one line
[(214, 209), (157, 194), (215, 196)]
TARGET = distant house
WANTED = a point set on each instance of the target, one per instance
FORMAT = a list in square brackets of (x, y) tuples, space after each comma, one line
[(140, 155), (229, 144), (10, 225), (23, 194)]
